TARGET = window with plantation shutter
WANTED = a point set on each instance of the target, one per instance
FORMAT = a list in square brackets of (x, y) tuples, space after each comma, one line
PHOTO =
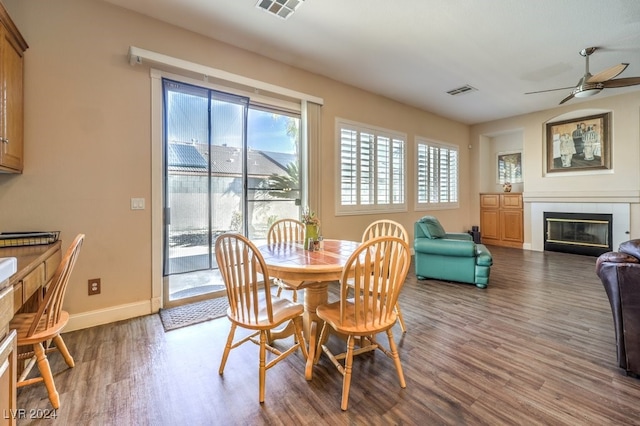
[(372, 168), (437, 175)]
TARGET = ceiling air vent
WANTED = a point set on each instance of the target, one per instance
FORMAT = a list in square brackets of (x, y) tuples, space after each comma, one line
[(462, 90), (281, 8)]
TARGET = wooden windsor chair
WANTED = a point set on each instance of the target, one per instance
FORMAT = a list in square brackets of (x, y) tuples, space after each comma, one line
[(251, 305), (379, 268), (387, 227), (37, 329), (286, 230)]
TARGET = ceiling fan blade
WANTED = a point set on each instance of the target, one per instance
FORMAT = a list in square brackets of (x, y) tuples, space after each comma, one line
[(622, 82), (568, 98), (607, 74), (550, 90)]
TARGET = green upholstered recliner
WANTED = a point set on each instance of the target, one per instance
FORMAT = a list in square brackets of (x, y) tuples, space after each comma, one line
[(449, 256)]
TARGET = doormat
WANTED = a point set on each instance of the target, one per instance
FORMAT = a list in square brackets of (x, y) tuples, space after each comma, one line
[(193, 313)]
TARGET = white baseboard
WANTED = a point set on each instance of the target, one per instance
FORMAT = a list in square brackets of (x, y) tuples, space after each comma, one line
[(111, 314)]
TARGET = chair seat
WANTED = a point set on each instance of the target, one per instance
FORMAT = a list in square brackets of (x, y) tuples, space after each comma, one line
[(22, 322), (283, 310), (330, 313)]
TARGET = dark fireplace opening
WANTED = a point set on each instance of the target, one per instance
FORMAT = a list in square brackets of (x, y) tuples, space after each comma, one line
[(578, 233)]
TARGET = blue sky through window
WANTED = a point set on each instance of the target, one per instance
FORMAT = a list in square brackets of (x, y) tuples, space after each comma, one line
[(268, 132)]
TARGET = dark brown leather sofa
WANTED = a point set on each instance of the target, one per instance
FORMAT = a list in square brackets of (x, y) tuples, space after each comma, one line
[(620, 275)]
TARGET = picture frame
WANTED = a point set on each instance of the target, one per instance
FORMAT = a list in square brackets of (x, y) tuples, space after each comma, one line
[(509, 167), (579, 144)]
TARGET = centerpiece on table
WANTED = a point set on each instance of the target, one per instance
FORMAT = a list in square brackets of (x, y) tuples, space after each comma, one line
[(312, 227)]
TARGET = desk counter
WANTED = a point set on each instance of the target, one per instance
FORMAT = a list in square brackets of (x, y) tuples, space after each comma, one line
[(36, 266)]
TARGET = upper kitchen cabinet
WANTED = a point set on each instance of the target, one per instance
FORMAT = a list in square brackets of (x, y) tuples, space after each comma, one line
[(12, 48)]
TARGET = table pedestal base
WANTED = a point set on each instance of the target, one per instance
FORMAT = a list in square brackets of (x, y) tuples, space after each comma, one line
[(315, 294)]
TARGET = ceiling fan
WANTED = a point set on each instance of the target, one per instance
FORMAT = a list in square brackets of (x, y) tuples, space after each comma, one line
[(590, 85)]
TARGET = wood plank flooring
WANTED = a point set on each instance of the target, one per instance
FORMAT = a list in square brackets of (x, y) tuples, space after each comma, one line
[(536, 347)]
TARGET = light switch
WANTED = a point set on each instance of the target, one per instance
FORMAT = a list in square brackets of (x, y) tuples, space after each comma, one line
[(137, 204)]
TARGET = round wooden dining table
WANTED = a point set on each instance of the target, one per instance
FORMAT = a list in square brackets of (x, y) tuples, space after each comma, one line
[(314, 270)]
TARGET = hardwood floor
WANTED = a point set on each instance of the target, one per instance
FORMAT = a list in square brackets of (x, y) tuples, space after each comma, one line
[(536, 347)]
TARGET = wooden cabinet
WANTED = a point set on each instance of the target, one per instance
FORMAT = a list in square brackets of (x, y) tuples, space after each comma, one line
[(501, 219), (12, 47)]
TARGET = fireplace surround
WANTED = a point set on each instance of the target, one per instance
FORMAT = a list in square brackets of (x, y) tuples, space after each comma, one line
[(538, 205), (578, 233)]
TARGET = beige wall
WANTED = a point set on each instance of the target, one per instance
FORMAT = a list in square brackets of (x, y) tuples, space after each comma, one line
[(620, 184), (88, 133)]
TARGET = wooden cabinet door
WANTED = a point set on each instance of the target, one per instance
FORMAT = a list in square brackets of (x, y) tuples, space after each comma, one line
[(8, 379), (8, 359), (490, 224), (489, 201), (11, 108), (511, 201), (511, 226)]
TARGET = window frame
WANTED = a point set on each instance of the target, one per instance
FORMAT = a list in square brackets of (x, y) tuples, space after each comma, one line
[(424, 206), (378, 135)]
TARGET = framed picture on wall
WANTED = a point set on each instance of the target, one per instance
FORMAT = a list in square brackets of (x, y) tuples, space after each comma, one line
[(579, 144), (509, 166)]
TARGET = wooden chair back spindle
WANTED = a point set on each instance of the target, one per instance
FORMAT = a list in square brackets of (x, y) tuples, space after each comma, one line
[(51, 306), (375, 272), (385, 227), (243, 270), (285, 230)]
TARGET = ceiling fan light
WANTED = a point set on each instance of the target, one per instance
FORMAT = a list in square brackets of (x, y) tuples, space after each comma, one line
[(588, 92), (588, 89)]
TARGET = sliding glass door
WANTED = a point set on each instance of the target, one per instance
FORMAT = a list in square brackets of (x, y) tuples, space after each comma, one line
[(229, 166)]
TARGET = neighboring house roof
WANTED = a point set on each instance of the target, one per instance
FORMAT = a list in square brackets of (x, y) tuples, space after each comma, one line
[(192, 158)]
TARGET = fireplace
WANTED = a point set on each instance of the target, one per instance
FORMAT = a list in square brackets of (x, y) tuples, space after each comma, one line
[(579, 233)]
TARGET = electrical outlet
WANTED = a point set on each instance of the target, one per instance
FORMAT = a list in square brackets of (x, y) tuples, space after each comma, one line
[(94, 286)]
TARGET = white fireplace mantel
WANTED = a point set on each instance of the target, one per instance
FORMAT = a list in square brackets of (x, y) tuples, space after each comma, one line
[(610, 196)]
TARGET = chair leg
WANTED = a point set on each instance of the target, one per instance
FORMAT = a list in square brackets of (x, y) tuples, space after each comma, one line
[(47, 377), (400, 319), (62, 348), (227, 348), (348, 367), (263, 368), (295, 296), (299, 337), (322, 339), (396, 358)]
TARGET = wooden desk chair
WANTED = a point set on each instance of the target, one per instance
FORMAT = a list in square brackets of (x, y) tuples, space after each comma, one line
[(251, 305), (386, 227), (37, 328), (379, 267), (285, 230)]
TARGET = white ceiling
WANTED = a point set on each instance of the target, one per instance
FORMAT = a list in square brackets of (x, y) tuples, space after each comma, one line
[(415, 51)]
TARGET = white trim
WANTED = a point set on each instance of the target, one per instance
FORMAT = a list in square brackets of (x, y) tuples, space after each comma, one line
[(138, 55), (157, 195), (111, 314), (304, 155)]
